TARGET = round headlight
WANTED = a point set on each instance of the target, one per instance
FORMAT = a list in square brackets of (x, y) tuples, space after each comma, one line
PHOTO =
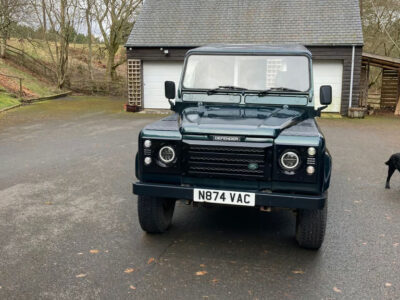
[(147, 161), (147, 143), (290, 160), (311, 151), (310, 170), (167, 154)]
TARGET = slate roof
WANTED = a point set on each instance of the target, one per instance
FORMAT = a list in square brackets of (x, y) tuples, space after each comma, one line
[(192, 23)]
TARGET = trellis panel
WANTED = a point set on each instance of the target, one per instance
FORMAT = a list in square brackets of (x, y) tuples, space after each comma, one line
[(135, 82)]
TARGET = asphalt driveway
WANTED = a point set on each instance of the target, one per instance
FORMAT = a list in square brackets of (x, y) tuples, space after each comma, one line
[(69, 228)]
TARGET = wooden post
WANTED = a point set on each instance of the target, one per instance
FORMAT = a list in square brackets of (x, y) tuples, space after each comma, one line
[(20, 88), (20, 82), (397, 111)]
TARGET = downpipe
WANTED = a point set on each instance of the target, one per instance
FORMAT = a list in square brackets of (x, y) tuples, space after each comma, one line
[(352, 76)]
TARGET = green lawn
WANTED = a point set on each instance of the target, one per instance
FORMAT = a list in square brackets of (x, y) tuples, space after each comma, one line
[(6, 100)]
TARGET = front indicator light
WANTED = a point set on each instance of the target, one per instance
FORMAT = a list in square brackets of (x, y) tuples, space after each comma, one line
[(310, 170), (147, 161), (147, 143), (311, 151)]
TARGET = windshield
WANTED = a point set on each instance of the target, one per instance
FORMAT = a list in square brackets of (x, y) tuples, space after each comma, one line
[(258, 73)]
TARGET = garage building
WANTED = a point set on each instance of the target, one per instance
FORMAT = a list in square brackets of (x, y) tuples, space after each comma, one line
[(167, 29)]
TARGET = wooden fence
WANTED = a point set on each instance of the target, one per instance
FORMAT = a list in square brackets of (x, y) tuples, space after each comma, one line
[(20, 57), (20, 92), (77, 80)]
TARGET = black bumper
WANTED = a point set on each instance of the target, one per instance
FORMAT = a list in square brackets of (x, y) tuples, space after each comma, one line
[(262, 199)]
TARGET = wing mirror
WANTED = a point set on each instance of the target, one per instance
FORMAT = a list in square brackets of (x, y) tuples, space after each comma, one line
[(169, 90), (325, 95)]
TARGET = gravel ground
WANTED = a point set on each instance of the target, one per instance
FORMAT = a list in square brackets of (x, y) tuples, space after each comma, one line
[(69, 228)]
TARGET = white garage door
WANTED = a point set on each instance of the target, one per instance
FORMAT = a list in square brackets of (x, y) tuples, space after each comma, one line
[(154, 76), (328, 72)]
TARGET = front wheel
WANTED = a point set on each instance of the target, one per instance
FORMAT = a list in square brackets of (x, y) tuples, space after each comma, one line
[(155, 214), (310, 227)]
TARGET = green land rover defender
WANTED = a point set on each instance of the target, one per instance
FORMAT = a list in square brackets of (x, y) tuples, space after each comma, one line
[(242, 133)]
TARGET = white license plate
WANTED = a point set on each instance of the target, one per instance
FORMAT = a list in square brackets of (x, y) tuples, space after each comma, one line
[(224, 197)]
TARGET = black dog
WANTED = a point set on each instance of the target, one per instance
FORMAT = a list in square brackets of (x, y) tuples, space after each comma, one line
[(393, 163)]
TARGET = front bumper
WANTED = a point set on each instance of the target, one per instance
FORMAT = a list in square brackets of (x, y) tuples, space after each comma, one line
[(262, 198)]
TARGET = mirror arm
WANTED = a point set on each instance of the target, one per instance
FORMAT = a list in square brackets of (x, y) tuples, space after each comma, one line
[(321, 109), (171, 103)]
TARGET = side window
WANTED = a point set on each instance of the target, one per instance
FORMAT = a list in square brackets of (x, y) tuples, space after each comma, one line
[(190, 72)]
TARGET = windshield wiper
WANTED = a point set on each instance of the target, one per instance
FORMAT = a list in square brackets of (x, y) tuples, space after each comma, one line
[(225, 87), (277, 89)]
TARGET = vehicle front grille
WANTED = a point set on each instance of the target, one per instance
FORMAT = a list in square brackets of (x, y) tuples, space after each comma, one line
[(226, 162)]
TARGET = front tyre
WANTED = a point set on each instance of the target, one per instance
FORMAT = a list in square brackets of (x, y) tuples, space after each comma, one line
[(310, 227), (155, 214)]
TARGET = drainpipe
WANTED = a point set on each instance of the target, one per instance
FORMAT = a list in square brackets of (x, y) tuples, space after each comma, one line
[(352, 76)]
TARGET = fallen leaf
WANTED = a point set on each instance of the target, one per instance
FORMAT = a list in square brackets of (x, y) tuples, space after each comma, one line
[(80, 275), (337, 290), (215, 280), (129, 270), (48, 203), (265, 251), (132, 287), (202, 265), (201, 273), (94, 251), (298, 272), (357, 201), (151, 260), (388, 284)]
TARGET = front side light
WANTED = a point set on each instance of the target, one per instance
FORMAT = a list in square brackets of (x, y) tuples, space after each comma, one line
[(289, 161), (147, 161), (147, 143), (167, 154), (311, 151), (310, 170)]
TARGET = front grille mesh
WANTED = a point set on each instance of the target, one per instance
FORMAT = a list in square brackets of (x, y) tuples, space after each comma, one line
[(225, 162)]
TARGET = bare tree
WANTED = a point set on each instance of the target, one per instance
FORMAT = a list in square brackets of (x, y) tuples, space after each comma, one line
[(86, 7), (381, 26), (9, 13), (113, 18), (88, 18), (57, 18)]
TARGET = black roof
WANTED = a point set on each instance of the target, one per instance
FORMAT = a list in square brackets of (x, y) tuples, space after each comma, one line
[(252, 49), (193, 23)]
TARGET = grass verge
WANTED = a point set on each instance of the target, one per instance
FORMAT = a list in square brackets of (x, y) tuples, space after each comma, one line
[(6, 100)]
